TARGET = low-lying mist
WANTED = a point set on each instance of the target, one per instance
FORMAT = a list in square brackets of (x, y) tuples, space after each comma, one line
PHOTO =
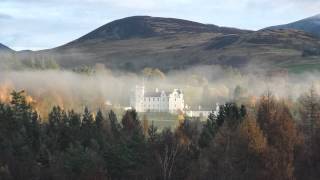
[(202, 85)]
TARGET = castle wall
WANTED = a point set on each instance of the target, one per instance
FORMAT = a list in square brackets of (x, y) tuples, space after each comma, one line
[(157, 102)]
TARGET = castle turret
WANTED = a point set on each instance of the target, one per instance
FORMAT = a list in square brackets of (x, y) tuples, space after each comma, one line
[(176, 101), (137, 98)]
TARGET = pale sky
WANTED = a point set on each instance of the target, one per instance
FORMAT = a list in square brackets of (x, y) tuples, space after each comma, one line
[(41, 24)]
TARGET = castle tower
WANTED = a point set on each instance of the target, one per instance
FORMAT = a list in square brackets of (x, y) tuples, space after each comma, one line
[(137, 98), (176, 101)]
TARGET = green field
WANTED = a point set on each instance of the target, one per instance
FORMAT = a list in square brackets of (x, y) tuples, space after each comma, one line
[(161, 120), (302, 68)]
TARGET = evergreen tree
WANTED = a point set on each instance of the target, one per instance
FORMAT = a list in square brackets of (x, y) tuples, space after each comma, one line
[(152, 133), (53, 129), (131, 124), (307, 164), (114, 125), (310, 112), (87, 128), (208, 130), (19, 140), (99, 119), (100, 131), (75, 124)]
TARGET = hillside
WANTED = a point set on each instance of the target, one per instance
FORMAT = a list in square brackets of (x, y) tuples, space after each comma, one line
[(4, 48), (310, 25), (146, 27), (134, 43)]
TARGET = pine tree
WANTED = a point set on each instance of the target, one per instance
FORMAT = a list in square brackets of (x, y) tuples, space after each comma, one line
[(114, 125), (208, 131), (134, 139), (131, 124), (35, 132), (152, 133), (87, 128), (310, 112), (75, 124), (53, 128), (65, 138), (99, 119), (87, 119), (308, 157), (100, 131), (19, 138)]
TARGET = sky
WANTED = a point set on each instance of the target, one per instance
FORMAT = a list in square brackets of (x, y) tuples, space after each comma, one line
[(42, 24)]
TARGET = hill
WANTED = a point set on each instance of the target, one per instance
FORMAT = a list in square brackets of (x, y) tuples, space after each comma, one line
[(137, 42), (4, 48), (146, 27), (310, 25)]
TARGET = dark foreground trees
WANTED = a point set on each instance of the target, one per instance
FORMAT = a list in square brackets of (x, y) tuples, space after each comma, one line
[(265, 142)]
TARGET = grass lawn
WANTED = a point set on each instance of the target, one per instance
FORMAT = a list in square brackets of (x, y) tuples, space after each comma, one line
[(301, 68)]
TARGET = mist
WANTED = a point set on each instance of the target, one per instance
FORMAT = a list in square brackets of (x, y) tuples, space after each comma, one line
[(202, 85)]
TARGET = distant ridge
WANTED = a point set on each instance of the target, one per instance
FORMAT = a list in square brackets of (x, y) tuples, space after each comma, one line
[(310, 25), (4, 48), (147, 26), (134, 43)]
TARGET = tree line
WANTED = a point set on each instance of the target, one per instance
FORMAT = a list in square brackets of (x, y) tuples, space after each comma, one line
[(273, 140)]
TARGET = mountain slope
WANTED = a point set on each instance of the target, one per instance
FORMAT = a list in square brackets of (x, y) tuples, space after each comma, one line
[(134, 43), (4, 48), (310, 25), (146, 26)]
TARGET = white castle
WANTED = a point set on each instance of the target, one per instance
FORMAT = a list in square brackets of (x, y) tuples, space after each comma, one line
[(157, 101)]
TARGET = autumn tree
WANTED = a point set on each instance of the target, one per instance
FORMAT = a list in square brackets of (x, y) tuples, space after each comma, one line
[(278, 126), (152, 74), (252, 147)]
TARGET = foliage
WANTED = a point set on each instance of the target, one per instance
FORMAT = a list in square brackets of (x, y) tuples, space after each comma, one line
[(237, 143), (153, 74)]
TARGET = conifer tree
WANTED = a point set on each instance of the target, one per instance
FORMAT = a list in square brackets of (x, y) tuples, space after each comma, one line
[(152, 133), (87, 128), (99, 119), (100, 130), (208, 131), (114, 125)]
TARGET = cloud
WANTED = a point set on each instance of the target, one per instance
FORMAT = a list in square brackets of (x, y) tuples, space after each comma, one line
[(4, 16)]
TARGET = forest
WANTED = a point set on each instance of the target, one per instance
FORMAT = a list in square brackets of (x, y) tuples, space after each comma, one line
[(275, 139)]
